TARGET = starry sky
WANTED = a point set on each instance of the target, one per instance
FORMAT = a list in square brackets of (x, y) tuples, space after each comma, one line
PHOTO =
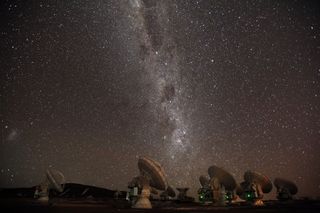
[(89, 86)]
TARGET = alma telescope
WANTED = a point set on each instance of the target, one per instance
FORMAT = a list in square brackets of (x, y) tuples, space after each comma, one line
[(151, 179), (222, 184), (219, 188), (285, 189), (54, 180), (255, 185), (205, 192)]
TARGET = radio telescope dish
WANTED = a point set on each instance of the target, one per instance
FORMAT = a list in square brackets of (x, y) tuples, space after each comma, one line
[(285, 188), (222, 185), (283, 183), (255, 185), (204, 181), (153, 171), (54, 180), (260, 179), (225, 178), (151, 176), (205, 193)]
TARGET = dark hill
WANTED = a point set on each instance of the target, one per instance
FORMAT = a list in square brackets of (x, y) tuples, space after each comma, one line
[(71, 190)]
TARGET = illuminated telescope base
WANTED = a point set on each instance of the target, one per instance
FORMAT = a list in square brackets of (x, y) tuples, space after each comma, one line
[(143, 201)]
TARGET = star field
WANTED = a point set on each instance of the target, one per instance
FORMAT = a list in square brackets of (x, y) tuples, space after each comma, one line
[(87, 87)]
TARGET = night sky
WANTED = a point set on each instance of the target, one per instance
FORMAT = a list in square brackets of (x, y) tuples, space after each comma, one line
[(89, 86)]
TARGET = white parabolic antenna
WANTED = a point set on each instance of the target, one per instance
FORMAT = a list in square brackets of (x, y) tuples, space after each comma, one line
[(54, 180), (151, 175), (285, 188), (153, 171), (254, 187), (263, 181), (224, 177), (221, 184)]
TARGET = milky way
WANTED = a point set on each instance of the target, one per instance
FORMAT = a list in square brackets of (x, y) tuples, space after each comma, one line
[(89, 86), (160, 60)]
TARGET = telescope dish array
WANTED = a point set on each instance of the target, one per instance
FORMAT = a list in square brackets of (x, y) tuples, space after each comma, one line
[(152, 176)]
